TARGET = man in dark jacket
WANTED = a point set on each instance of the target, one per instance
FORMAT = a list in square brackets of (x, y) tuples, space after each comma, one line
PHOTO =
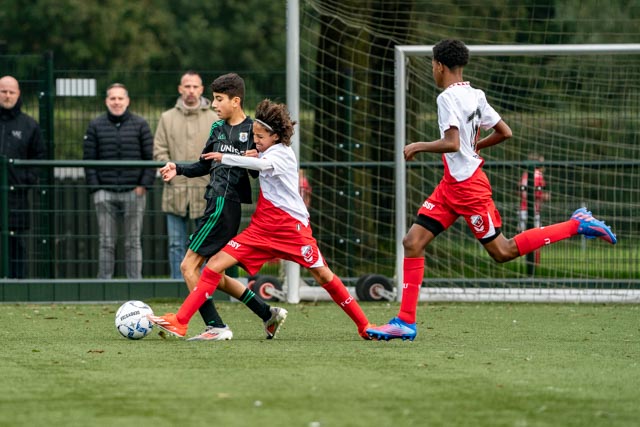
[(119, 135), (19, 139)]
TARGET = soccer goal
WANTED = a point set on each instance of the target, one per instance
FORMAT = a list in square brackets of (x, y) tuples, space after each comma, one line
[(574, 110)]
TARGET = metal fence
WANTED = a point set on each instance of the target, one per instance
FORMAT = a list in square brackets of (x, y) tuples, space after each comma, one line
[(352, 210)]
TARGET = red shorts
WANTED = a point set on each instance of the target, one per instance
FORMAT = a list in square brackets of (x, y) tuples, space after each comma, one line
[(291, 241), (470, 199)]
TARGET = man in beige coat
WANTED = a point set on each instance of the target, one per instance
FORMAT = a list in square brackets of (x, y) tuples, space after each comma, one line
[(181, 135)]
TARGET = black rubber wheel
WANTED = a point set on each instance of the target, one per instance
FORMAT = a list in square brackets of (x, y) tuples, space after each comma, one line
[(368, 287), (251, 280), (359, 286), (262, 283)]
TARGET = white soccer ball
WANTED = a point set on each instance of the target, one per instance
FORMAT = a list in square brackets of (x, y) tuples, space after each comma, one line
[(131, 320)]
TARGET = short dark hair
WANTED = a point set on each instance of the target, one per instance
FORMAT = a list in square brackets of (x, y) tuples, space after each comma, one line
[(230, 84), (190, 73), (452, 53)]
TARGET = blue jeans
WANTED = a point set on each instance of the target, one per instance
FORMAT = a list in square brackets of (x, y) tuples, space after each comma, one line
[(177, 234)]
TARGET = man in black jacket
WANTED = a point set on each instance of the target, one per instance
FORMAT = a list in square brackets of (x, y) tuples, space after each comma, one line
[(119, 192), (19, 139)]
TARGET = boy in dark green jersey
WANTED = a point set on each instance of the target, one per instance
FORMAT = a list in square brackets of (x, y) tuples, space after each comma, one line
[(228, 188)]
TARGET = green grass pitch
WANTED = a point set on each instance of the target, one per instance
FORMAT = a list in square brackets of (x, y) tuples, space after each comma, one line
[(471, 365)]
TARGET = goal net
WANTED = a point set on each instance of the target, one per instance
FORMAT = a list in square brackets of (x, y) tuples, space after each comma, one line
[(574, 113)]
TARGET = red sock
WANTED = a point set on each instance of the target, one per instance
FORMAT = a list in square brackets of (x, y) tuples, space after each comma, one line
[(205, 288), (413, 273), (530, 240), (343, 298)]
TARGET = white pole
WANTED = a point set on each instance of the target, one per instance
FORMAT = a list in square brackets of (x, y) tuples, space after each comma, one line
[(292, 270), (401, 178)]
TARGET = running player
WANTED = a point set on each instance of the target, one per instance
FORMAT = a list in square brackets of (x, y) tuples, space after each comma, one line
[(465, 190), (279, 227)]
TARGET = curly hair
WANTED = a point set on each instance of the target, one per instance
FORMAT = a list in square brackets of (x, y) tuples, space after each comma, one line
[(452, 53), (276, 118)]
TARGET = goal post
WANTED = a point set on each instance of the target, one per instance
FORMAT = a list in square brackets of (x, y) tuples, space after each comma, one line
[(583, 97), (575, 104)]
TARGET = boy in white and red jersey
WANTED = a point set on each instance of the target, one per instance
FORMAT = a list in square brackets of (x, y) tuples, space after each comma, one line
[(279, 227), (465, 190)]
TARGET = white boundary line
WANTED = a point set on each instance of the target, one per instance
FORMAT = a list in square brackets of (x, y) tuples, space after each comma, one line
[(584, 296)]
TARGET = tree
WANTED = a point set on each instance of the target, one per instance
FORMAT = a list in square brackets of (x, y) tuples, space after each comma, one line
[(149, 34)]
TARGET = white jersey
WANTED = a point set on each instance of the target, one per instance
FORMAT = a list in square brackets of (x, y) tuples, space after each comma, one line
[(466, 109), (279, 179)]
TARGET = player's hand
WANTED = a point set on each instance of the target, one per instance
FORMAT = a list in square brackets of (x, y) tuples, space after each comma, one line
[(410, 151), (168, 171), (251, 153), (215, 156)]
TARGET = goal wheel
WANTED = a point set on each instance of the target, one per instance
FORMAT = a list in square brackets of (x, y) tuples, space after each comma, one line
[(263, 284), (373, 287), (251, 280)]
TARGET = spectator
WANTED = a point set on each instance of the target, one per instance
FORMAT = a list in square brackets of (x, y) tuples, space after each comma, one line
[(119, 192), (181, 135), (540, 195), (19, 139)]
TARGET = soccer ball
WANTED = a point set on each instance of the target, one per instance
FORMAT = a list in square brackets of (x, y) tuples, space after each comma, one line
[(131, 320)]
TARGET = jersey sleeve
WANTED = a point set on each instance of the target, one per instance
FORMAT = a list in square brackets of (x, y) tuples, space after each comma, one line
[(488, 116), (446, 114), (259, 164)]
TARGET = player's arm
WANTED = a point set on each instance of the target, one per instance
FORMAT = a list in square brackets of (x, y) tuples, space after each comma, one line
[(449, 144), (253, 152), (200, 168), (501, 132), (254, 163)]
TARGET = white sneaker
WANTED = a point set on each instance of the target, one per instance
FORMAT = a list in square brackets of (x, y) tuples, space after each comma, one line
[(272, 326), (214, 334)]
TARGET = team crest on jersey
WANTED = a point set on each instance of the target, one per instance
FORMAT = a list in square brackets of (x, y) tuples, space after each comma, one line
[(307, 253), (244, 136), (478, 223), (17, 134)]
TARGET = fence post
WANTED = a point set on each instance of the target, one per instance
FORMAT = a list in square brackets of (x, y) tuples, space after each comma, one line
[(4, 217), (45, 226)]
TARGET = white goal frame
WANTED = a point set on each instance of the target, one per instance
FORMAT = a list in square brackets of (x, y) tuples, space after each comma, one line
[(487, 294)]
